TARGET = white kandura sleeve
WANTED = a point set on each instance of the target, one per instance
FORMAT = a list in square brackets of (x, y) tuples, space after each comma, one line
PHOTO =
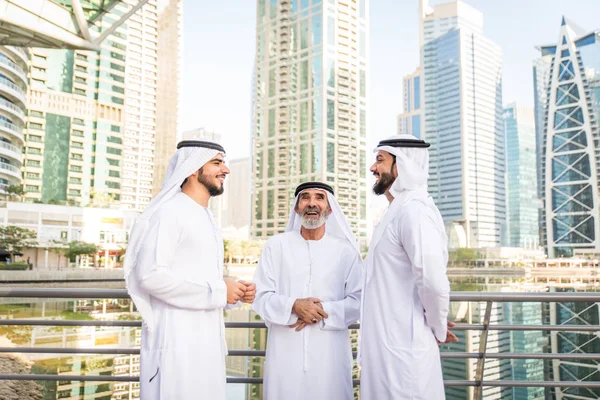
[(425, 248), (156, 277), (342, 313), (273, 307)]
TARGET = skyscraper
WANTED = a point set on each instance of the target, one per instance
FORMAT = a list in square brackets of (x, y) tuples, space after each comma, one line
[(462, 95), (409, 122), (541, 80), (522, 225), (93, 116), (571, 149), (13, 86), (310, 104), (169, 90), (237, 193)]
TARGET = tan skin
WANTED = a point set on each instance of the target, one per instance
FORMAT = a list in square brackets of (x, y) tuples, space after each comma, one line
[(310, 310), (383, 164), (215, 172)]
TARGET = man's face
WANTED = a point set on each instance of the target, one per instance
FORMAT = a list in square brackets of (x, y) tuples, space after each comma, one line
[(385, 172), (212, 175), (313, 208)]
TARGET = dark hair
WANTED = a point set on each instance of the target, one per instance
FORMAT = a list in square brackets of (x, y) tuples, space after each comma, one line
[(185, 180)]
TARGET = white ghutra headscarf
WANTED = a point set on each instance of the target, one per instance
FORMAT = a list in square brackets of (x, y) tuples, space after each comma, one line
[(336, 225), (190, 156)]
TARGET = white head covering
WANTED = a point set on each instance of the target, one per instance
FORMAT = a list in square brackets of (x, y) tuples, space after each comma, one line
[(190, 156), (412, 164), (337, 224), (412, 161)]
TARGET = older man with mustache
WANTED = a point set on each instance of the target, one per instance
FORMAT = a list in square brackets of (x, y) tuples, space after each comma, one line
[(308, 291)]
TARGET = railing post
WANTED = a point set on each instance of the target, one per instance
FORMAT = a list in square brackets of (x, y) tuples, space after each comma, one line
[(482, 351)]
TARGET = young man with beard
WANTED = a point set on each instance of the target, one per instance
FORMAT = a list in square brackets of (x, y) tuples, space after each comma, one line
[(406, 292), (308, 291), (174, 274)]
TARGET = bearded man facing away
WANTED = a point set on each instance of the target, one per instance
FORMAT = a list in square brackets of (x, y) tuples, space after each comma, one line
[(406, 292), (174, 274), (308, 291)]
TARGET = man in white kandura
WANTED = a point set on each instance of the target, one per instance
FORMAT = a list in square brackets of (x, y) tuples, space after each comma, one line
[(406, 294), (308, 292), (174, 274)]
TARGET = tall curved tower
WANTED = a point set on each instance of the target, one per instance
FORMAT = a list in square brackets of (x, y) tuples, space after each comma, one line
[(13, 88), (571, 144)]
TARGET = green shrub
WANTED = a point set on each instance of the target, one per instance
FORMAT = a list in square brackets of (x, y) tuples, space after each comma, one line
[(18, 266)]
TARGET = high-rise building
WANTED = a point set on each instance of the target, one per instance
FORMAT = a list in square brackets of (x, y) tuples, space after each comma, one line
[(462, 119), (409, 122), (169, 90), (93, 116), (570, 163), (310, 105), (541, 80), (237, 194), (13, 86), (522, 222)]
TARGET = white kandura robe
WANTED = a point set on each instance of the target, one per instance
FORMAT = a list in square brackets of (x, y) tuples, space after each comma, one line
[(405, 306), (180, 265), (316, 362)]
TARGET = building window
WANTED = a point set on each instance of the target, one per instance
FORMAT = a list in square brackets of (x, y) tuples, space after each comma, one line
[(330, 157), (330, 114)]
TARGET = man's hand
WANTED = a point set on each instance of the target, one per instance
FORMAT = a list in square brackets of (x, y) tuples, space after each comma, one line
[(450, 337), (299, 325), (249, 293), (235, 290), (309, 310)]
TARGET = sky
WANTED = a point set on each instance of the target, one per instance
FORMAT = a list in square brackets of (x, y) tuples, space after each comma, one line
[(219, 45)]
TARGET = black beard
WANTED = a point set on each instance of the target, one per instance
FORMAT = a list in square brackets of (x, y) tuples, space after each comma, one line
[(213, 189), (384, 183)]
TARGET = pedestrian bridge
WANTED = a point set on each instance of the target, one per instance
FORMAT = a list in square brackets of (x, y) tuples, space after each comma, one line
[(571, 353)]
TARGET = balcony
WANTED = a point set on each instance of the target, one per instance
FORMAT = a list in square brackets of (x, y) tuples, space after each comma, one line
[(14, 92), (12, 70), (482, 357), (8, 150), (11, 129), (19, 52), (12, 109), (10, 170)]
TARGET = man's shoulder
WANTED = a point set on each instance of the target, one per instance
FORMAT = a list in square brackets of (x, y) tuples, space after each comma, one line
[(415, 211), (173, 207)]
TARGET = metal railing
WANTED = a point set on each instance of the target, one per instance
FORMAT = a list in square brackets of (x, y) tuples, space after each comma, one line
[(489, 298)]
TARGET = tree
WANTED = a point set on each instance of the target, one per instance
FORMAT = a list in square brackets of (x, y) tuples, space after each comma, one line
[(227, 250), (77, 248), (14, 239), (73, 249), (15, 191)]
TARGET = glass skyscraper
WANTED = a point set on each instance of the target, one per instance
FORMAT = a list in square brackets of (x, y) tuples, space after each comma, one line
[(310, 102), (409, 122), (571, 143), (462, 95), (522, 225)]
